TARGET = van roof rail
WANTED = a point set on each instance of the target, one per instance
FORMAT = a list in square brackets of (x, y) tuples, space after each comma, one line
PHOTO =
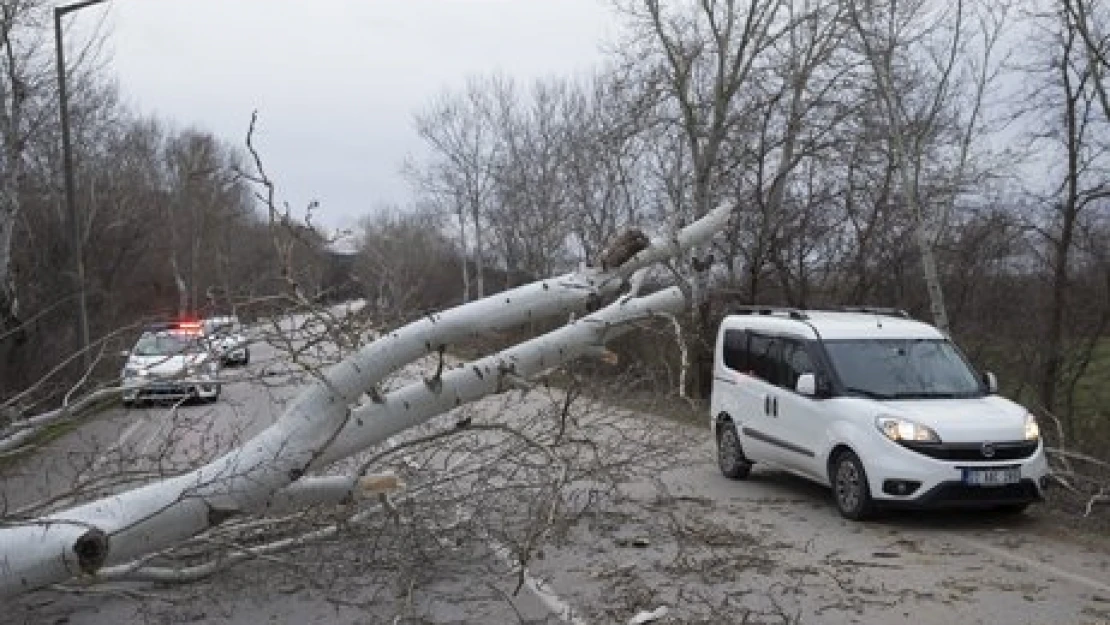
[(877, 310), (785, 311)]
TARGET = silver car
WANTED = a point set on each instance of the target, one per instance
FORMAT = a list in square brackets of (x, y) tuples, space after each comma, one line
[(225, 334)]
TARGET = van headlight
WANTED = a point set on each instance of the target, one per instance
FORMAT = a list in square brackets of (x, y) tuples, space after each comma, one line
[(902, 430), (1032, 430)]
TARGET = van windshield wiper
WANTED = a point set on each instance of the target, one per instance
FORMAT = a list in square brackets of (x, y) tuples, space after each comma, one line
[(867, 393)]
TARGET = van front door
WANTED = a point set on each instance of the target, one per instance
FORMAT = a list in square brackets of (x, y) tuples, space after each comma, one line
[(798, 426)]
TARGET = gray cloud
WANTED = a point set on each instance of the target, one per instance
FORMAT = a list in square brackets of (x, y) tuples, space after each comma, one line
[(336, 81)]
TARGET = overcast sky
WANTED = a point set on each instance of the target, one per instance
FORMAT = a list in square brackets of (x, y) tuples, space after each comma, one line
[(336, 82)]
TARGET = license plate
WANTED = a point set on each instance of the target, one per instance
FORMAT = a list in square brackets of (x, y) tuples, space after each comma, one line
[(992, 477)]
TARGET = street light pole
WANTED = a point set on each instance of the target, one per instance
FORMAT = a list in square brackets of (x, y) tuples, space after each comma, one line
[(67, 166)]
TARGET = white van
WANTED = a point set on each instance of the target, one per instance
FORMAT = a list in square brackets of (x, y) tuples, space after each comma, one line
[(884, 409)]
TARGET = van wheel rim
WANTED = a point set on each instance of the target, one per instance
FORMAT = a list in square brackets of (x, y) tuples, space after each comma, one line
[(847, 485), (729, 450)]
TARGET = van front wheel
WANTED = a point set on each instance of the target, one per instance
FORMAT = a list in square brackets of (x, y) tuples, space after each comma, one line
[(730, 455), (850, 489)]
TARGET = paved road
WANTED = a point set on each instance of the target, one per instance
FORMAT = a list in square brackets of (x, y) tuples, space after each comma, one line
[(164, 438), (151, 438), (771, 549)]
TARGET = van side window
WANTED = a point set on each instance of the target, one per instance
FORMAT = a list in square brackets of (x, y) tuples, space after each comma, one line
[(734, 350), (795, 361), (763, 353)]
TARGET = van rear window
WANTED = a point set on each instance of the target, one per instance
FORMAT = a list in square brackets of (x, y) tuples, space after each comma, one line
[(735, 350), (752, 354)]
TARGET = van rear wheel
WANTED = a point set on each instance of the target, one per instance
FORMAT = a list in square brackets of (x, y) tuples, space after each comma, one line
[(730, 455)]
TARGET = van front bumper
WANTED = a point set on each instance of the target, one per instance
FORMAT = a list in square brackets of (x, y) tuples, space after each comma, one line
[(959, 495), (904, 478)]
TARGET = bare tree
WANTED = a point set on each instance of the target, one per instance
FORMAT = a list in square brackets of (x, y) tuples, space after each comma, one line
[(702, 57), (528, 212), (459, 129), (1068, 98), (406, 265), (699, 57), (932, 66), (1088, 19), (801, 108), (22, 77), (603, 173)]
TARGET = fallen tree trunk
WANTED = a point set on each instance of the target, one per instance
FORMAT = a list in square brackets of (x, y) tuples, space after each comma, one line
[(321, 426)]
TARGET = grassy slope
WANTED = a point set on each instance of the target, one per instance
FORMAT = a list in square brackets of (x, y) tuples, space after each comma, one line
[(1092, 399)]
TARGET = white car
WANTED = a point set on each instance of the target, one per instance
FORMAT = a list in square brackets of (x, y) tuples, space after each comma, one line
[(884, 409), (171, 363), (226, 336)]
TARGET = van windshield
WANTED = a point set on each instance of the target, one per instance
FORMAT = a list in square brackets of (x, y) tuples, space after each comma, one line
[(902, 368)]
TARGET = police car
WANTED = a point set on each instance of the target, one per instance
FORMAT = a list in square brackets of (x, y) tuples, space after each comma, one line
[(172, 361)]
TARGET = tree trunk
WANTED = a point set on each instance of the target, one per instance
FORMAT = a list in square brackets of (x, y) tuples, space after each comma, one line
[(479, 251), (1054, 333), (9, 303), (12, 336), (461, 211), (320, 426)]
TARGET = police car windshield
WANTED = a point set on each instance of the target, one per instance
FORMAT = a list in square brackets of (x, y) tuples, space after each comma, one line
[(166, 344), (903, 368)]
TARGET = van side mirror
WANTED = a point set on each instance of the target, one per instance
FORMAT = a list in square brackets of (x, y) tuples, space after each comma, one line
[(991, 382), (806, 385)]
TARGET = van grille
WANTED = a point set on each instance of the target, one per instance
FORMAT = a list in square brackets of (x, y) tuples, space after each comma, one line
[(974, 452)]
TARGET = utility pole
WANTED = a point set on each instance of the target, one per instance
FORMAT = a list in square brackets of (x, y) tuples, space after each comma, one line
[(67, 165)]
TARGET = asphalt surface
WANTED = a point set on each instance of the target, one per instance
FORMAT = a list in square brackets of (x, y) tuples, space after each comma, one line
[(685, 541), (774, 549)]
